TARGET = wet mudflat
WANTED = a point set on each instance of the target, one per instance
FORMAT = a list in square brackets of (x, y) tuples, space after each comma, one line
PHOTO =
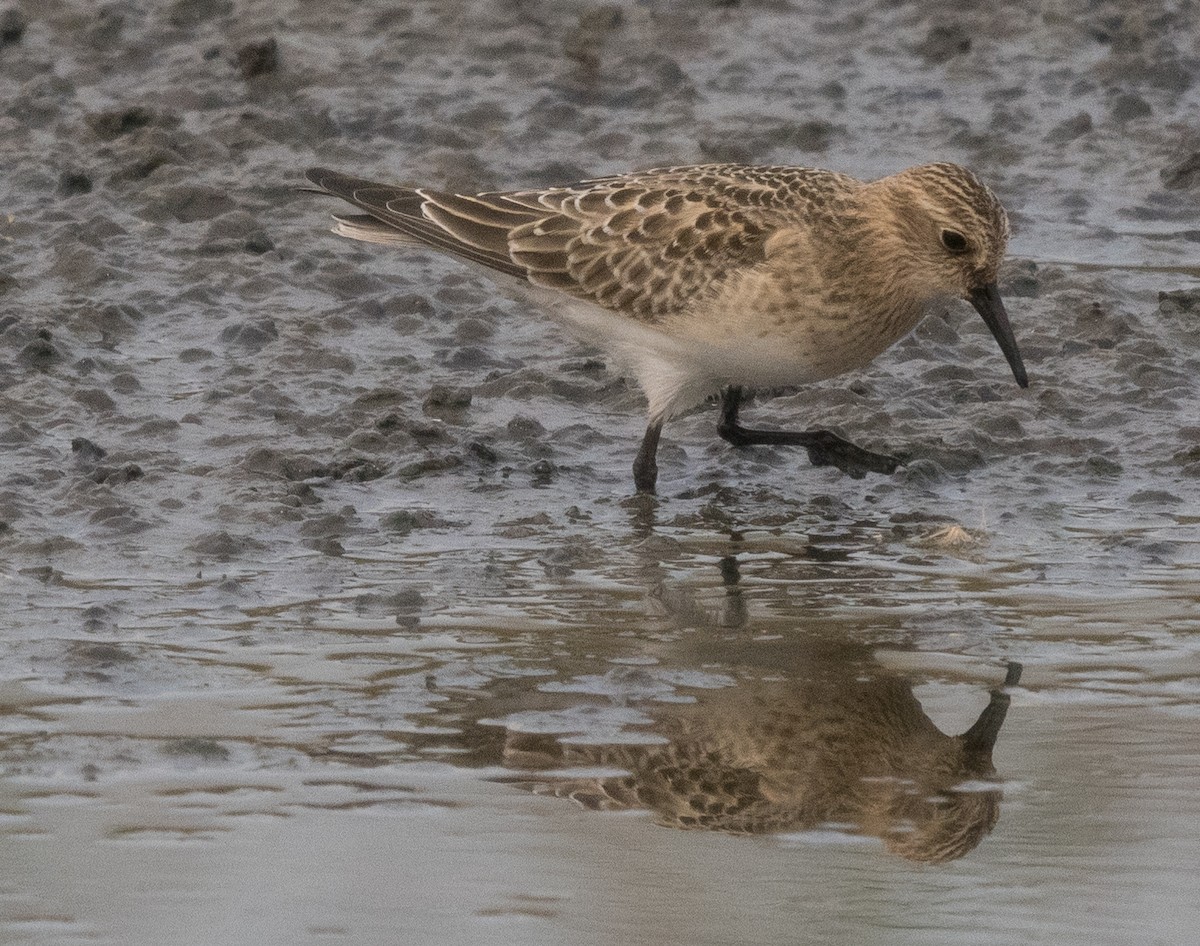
[(327, 615)]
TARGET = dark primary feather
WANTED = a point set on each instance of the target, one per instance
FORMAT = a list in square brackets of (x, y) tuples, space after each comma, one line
[(401, 209)]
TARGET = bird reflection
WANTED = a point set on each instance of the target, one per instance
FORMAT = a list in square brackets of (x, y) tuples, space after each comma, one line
[(797, 731), (836, 750)]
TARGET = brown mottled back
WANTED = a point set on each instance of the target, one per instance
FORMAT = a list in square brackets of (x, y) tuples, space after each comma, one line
[(647, 244)]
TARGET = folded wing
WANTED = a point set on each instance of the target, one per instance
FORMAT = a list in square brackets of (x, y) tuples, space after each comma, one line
[(647, 244)]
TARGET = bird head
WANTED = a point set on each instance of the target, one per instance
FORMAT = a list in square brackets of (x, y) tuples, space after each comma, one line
[(954, 233)]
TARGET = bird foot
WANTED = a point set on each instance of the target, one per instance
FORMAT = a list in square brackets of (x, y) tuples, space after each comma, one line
[(828, 449)]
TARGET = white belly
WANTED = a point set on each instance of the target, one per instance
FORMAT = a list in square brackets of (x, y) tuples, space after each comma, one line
[(683, 361)]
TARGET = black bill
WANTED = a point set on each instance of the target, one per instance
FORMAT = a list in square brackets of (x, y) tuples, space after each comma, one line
[(988, 303), (980, 739)]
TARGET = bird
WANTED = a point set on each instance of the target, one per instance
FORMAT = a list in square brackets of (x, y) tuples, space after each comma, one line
[(839, 744), (717, 279)]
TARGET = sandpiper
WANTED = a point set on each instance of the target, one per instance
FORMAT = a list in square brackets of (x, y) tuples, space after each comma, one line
[(721, 277), (839, 744)]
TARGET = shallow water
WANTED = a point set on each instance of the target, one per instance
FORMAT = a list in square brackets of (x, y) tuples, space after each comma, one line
[(299, 645)]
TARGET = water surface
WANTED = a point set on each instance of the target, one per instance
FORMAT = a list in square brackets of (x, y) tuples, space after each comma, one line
[(300, 645)]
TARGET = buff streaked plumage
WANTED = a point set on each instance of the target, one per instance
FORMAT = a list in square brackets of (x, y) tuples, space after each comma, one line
[(834, 748), (712, 278)]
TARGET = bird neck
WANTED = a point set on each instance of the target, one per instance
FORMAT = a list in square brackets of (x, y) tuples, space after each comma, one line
[(870, 268)]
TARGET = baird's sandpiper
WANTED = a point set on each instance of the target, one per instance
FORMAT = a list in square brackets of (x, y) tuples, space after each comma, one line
[(836, 745), (720, 277)]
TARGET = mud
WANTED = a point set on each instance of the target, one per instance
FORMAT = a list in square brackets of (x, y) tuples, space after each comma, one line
[(282, 517)]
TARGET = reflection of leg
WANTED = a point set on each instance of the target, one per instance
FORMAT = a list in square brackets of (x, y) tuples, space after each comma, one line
[(734, 614), (645, 467), (731, 574), (981, 737), (825, 448)]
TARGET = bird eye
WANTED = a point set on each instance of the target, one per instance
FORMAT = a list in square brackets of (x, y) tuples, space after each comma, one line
[(954, 241)]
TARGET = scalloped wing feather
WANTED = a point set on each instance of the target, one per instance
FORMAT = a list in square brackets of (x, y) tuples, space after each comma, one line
[(648, 244)]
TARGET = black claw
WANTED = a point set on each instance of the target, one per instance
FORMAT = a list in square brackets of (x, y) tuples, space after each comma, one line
[(854, 461), (818, 457)]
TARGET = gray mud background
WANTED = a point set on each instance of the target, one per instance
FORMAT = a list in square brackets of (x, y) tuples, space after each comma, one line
[(284, 518)]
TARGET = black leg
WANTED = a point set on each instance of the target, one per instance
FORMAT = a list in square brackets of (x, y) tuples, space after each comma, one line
[(645, 467), (825, 448)]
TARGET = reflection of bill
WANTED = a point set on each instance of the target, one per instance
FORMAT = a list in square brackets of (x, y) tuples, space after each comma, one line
[(836, 751)]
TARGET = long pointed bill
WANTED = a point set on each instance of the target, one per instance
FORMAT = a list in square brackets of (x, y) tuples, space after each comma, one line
[(981, 738), (988, 303)]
